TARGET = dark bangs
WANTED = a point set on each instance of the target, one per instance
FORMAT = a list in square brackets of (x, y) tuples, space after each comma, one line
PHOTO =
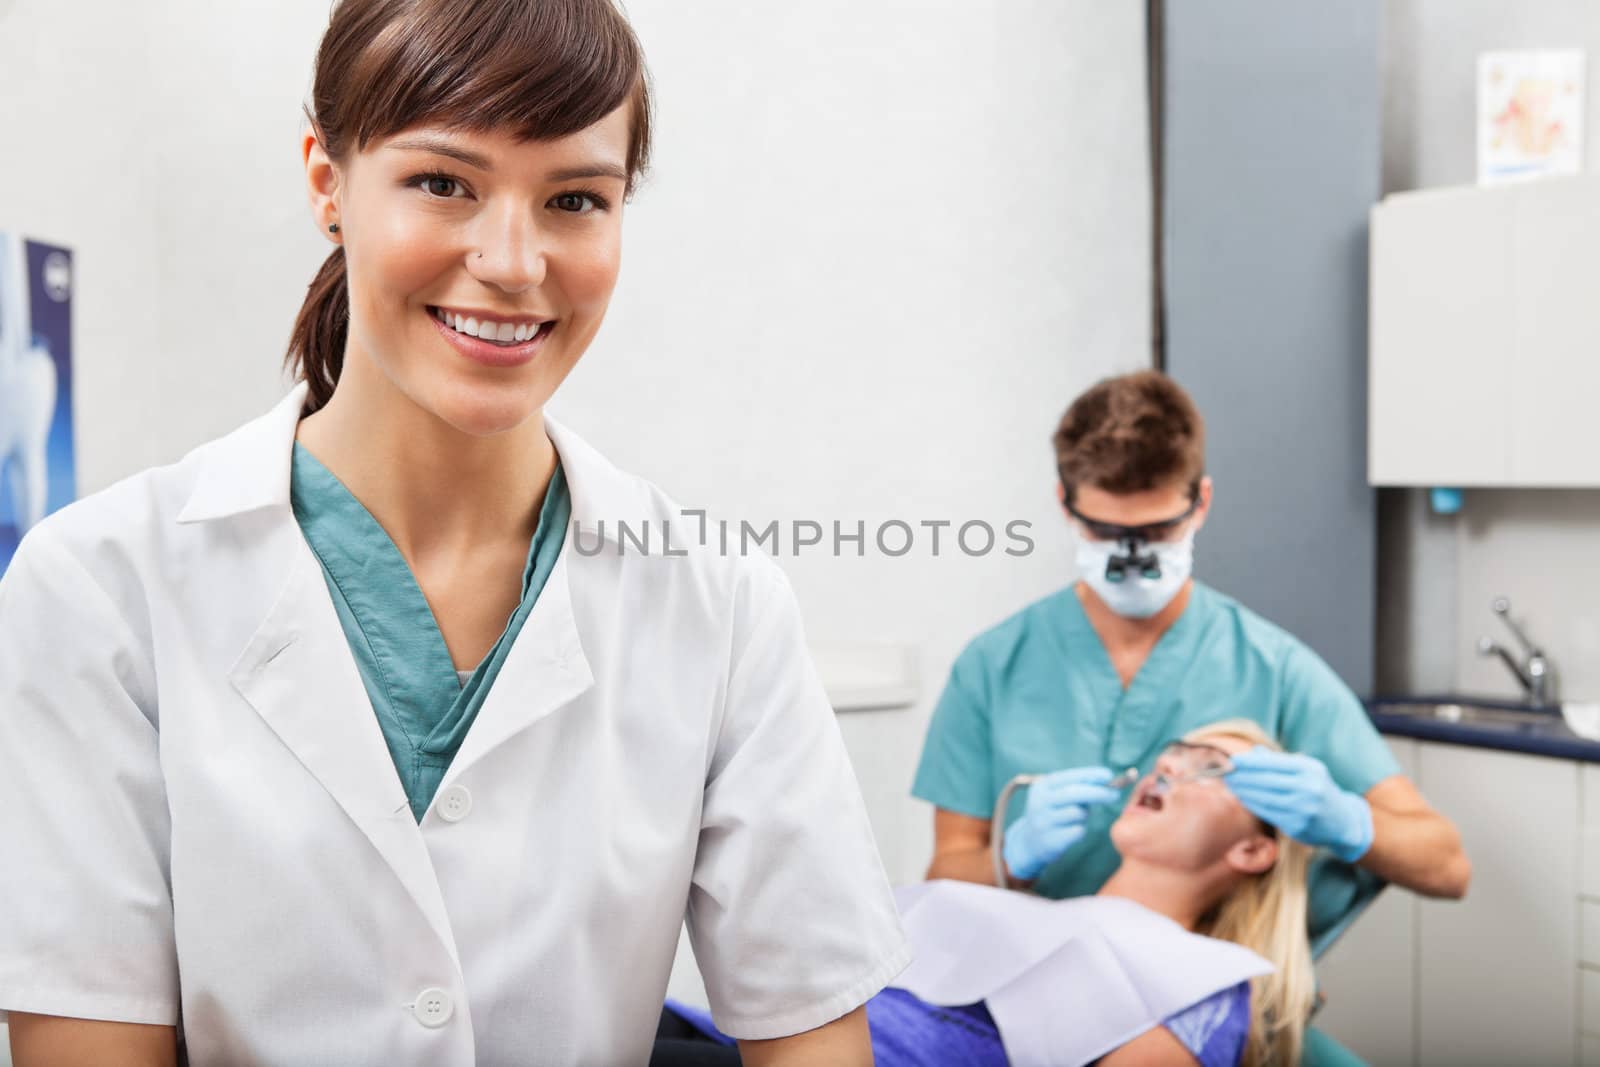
[(537, 69)]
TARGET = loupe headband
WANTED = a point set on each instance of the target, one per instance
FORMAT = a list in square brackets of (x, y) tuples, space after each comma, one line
[(1150, 531)]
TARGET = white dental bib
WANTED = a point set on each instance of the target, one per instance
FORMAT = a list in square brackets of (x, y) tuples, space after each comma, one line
[(1066, 980)]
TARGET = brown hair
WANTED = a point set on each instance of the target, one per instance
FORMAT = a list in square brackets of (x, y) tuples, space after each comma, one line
[(540, 69), (1131, 433)]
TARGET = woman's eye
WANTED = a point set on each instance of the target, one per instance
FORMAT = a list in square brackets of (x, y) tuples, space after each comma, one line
[(438, 186), (444, 187), (572, 203)]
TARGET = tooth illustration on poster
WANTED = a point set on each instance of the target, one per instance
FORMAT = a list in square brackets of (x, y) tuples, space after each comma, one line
[(36, 462)]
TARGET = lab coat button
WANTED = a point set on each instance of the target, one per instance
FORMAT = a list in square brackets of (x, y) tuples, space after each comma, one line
[(433, 1008), (454, 804)]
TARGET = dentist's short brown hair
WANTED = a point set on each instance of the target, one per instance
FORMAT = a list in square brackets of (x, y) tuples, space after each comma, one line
[(1129, 434)]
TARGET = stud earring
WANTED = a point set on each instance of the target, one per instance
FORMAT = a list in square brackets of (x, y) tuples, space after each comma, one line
[(333, 227)]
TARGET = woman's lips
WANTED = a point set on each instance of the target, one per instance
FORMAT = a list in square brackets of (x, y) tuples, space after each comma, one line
[(488, 353)]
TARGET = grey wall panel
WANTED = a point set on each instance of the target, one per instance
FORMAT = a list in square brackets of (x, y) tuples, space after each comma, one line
[(1271, 165)]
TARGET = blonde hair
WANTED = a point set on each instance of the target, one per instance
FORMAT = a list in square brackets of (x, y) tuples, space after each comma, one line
[(1267, 915)]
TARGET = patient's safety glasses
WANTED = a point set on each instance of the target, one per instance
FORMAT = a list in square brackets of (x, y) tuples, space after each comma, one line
[(1191, 761)]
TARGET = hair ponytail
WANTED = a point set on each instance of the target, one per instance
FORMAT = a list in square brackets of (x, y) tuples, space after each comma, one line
[(316, 346)]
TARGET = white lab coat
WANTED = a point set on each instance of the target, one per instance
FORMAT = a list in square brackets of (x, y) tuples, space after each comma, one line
[(199, 810)]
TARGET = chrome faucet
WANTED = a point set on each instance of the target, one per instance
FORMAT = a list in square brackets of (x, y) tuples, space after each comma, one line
[(1535, 671)]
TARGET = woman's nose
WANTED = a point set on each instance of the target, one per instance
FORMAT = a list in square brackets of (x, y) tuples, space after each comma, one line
[(510, 255)]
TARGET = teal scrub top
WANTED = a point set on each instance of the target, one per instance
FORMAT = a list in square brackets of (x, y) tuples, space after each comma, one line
[(424, 706), (1038, 693)]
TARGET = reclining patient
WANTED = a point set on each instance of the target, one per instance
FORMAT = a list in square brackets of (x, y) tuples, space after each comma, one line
[(1193, 952)]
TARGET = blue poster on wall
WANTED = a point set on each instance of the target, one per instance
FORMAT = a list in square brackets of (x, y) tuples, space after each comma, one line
[(36, 458)]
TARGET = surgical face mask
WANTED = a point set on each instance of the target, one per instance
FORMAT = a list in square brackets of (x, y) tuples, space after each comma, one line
[(1142, 590)]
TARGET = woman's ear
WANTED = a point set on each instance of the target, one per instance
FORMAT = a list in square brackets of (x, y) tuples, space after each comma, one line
[(322, 182), (1254, 855)]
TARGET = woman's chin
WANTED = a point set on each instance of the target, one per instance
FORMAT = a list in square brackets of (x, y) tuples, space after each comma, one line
[(484, 412)]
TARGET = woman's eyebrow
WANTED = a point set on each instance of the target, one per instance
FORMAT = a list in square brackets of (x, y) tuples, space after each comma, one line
[(588, 170), (440, 146)]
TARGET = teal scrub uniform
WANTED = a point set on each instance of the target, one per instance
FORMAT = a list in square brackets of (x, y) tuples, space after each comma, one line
[(424, 706), (1038, 693)]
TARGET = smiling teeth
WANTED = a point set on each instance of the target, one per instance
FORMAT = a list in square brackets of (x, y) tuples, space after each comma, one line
[(500, 333)]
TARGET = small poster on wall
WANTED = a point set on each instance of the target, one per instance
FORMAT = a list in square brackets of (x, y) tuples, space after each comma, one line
[(36, 457), (1530, 115)]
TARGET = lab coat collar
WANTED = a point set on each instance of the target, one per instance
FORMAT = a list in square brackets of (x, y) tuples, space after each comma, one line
[(299, 642), (602, 496), (249, 470)]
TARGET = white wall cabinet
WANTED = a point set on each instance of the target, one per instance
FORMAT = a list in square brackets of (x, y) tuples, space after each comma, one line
[(1484, 332), (1494, 979)]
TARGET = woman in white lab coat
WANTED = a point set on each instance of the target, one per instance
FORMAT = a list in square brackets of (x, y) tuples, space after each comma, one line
[(359, 735)]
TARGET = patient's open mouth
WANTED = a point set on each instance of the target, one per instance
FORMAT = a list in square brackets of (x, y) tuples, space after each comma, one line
[(1148, 795)]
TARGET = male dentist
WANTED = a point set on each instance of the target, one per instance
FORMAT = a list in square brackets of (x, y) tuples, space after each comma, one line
[(1099, 675)]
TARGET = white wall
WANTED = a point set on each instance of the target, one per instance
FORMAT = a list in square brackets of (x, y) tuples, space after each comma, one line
[(884, 246), (885, 243), (1437, 575), (158, 141)]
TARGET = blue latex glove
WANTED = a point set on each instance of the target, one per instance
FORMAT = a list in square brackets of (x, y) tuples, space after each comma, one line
[(1053, 818), (1298, 796)]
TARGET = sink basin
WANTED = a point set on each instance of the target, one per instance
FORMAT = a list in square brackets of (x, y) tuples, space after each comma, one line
[(1564, 732), (1523, 716)]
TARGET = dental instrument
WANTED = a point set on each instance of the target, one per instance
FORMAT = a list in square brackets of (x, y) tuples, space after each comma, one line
[(997, 824), (1125, 779)]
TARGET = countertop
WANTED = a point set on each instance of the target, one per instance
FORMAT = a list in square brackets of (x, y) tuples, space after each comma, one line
[(1541, 731)]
